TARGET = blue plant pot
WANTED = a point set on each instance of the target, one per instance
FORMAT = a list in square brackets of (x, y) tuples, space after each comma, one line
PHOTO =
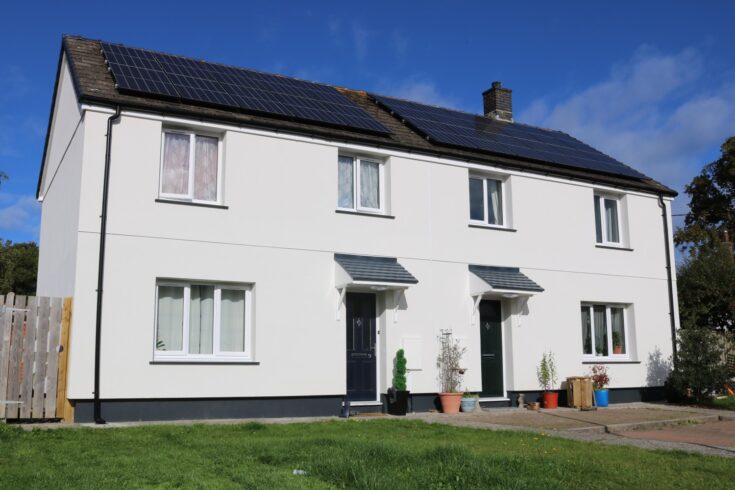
[(601, 398), (468, 404)]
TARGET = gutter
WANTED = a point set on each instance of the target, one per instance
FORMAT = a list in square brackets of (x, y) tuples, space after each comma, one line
[(669, 279), (101, 269)]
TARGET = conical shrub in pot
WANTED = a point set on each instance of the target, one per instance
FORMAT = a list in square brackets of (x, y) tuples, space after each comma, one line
[(398, 395)]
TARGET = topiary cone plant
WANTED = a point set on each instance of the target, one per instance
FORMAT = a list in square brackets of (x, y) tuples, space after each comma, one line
[(398, 394)]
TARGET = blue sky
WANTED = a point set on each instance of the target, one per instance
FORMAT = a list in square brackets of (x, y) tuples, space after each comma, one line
[(650, 83)]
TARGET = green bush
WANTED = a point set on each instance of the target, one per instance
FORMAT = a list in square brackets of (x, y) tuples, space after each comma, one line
[(399, 372), (699, 371)]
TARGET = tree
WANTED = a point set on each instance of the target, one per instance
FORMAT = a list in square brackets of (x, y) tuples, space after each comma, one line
[(700, 370), (18, 267), (706, 286), (712, 201)]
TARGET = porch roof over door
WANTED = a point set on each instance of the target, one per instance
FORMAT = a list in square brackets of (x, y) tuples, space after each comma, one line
[(487, 279), (369, 270)]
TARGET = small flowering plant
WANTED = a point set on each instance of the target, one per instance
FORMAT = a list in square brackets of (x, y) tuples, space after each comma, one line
[(600, 379)]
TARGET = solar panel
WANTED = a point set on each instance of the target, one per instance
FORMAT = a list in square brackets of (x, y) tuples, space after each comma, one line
[(465, 130), (148, 72)]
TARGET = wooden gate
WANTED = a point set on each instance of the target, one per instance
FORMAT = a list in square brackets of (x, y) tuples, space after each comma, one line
[(34, 332)]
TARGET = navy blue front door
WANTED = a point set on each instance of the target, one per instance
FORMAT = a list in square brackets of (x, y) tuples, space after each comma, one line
[(361, 363)]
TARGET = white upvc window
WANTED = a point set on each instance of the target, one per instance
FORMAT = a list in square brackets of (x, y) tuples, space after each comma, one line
[(487, 201), (203, 321), (607, 220), (604, 331), (361, 184), (191, 167)]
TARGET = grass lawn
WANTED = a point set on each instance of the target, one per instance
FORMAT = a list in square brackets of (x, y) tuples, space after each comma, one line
[(342, 454), (724, 403)]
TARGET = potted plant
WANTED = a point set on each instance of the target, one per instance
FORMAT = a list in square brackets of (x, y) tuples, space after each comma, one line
[(617, 343), (600, 381), (469, 401), (450, 372), (398, 394), (546, 373)]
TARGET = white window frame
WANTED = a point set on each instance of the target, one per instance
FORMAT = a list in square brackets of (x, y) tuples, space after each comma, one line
[(600, 198), (356, 163), (189, 196), (503, 200), (608, 320), (217, 355)]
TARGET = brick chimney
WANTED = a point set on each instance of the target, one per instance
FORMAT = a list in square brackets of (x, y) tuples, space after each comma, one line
[(498, 102)]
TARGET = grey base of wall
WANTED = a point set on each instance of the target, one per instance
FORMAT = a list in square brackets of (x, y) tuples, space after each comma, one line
[(318, 406)]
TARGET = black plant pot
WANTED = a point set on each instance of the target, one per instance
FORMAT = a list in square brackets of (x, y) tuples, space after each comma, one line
[(398, 402)]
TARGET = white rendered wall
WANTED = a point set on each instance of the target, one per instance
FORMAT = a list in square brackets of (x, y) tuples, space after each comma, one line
[(280, 232)]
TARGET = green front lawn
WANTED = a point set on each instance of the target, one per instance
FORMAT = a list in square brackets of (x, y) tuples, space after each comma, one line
[(354, 454), (727, 403)]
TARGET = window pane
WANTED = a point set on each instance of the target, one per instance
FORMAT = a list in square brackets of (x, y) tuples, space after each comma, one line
[(201, 319), (477, 205), (175, 175), (494, 202), (346, 184), (598, 220), (170, 321), (232, 321), (618, 330), (586, 330), (205, 168), (611, 220), (369, 184), (600, 320)]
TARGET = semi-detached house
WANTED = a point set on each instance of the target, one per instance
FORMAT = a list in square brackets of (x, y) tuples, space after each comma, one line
[(243, 244)]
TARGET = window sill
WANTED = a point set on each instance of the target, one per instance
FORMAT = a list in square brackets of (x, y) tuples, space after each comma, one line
[(608, 360), (189, 203), (491, 227), (205, 362), (614, 247), (362, 213)]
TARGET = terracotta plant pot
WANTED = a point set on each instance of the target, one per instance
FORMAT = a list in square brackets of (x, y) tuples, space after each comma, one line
[(551, 399), (450, 402), (617, 349)]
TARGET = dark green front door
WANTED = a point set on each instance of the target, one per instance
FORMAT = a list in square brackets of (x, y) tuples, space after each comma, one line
[(491, 349)]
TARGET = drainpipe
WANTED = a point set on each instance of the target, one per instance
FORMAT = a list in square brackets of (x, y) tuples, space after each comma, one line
[(101, 269), (670, 281)]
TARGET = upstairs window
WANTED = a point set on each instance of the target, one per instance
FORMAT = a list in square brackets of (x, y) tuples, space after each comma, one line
[(603, 331), (607, 220), (360, 184), (486, 201), (190, 167), (202, 321)]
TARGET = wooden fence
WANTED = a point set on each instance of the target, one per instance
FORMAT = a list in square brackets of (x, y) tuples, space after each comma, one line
[(33, 357)]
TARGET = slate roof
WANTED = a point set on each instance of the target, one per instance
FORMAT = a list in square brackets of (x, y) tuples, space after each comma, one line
[(94, 84), (505, 278), (377, 269)]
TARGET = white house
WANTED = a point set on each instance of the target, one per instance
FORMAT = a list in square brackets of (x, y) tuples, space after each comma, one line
[(240, 244)]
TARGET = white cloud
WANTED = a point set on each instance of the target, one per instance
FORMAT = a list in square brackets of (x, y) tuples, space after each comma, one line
[(20, 215), (418, 90), (360, 37), (655, 112)]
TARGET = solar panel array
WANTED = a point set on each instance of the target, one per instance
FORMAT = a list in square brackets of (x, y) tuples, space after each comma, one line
[(461, 129), (186, 79)]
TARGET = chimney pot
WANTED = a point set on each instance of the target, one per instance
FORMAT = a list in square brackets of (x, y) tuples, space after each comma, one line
[(498, 102)]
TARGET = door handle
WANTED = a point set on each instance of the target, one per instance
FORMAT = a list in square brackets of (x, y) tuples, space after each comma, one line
[(488, 355), (361, 355)]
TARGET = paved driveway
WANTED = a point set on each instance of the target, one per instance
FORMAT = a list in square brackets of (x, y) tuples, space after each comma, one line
[(712, 434)]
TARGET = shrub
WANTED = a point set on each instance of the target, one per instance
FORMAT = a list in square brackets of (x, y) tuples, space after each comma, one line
[(399, 372), (546, 372), (450, 355), (699, 371)]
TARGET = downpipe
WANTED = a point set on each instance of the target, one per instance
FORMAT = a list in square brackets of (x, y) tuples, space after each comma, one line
[(101, 269), (669, 278)]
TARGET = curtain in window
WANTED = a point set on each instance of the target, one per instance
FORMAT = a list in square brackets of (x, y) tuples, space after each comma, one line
[(586, 330), (477, 204), (346, 186), (175, 175), (201, 319), (598, 220), (232, 321), (600, 319), (618, 330), (494, 202), (369, 184), (611, 220), (205, 168), (170, 321)]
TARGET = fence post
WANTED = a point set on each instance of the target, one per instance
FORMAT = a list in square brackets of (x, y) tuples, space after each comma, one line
[(64, 408), (6, 318)]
